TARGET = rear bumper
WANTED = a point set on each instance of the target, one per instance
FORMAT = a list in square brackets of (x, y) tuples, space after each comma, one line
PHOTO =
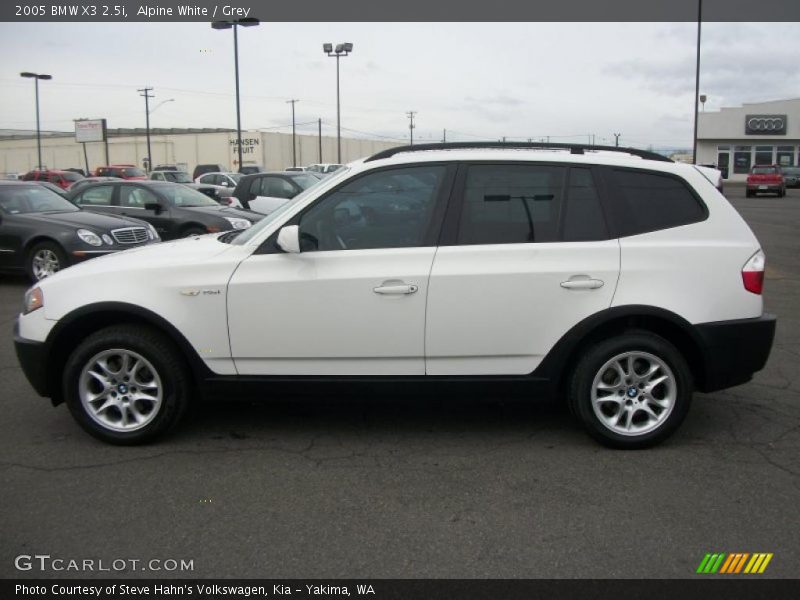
[(764, 187), (32, 358), (734, 350)]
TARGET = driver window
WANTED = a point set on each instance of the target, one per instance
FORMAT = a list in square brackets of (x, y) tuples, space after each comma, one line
[(135, 197), (387, 209)]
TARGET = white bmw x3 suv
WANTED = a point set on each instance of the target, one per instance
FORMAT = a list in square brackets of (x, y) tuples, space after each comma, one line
[(618, 281)]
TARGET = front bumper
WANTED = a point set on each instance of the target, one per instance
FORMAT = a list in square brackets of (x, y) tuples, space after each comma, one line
[(32, 356), (734, 350)]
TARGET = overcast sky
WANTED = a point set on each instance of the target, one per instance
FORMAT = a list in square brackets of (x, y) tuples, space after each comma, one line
[(482, 80)]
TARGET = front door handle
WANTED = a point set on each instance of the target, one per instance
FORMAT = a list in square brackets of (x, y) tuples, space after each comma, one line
[(582, 283), (391, 287)]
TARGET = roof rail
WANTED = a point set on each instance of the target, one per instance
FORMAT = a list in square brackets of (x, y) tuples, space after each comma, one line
[(573, 148)]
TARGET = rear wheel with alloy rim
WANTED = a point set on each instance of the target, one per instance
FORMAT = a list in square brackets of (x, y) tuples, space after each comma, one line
[(631, 391), (126, 384)]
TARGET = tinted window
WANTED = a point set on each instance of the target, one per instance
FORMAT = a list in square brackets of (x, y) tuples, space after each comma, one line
[(583, 214), (304, 181), (132, 172), (387, 209), (511, 204), (275, 187), (650, 201), (180, 195), (96, 196), (765, 171), (131, 196)]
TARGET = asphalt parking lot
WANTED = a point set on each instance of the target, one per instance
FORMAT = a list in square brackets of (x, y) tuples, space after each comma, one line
[(443, 487)]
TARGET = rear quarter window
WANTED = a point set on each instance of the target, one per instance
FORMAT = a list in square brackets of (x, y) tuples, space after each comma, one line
[(644, 201)]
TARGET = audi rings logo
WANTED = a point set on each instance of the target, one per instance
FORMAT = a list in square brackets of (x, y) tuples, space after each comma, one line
[(765, 124)]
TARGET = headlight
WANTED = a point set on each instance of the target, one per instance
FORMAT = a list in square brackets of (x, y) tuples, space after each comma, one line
[(89, 237), (151, 231), (34, 298), (238, 223)]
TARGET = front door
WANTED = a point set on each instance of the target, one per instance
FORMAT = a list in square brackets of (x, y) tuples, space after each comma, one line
[(352, 302), (531, 259)]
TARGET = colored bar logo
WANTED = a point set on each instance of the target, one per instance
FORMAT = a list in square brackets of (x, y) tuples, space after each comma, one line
[(734, 563)]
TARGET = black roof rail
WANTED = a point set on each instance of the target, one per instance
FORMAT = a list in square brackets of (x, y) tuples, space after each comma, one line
[(573, 148)]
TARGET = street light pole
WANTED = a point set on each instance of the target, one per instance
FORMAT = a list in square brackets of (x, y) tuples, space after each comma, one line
[(294, 146), (234, 24), (410, 114), (340, 50), (36, 77), (697, 81)]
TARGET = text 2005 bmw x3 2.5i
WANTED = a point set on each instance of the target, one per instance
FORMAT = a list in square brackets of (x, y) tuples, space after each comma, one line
[(619, 281)]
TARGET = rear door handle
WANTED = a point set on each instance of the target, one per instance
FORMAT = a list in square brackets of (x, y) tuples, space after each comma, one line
[(395, 288), (582, 283)]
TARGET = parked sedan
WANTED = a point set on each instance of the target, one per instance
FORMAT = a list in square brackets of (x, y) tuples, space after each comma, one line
[(173, 209), (41, 232), (264, 192), (791, 176), (183, 178)]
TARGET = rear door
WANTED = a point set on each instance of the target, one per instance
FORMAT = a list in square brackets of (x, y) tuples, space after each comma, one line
[(525, 256), (133, 201)]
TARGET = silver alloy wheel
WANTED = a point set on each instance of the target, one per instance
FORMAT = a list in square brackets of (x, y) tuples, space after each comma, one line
[(120, 390), (45, 263), (634, 393)]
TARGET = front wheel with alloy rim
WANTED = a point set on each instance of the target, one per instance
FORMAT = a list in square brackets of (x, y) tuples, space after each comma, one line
[(126, 384), (44, 259), (631, 391)]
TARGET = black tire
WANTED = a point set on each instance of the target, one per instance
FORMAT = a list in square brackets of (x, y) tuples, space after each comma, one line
[(164, 357), (53, 247), (589, 366), (190, 231)]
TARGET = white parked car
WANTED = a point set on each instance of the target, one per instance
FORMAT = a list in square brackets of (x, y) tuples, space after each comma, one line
[(224, 183), (619, 282), (324, 168)]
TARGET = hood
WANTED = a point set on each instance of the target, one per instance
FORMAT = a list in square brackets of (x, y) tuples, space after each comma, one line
[(173, 255), (81, 218)]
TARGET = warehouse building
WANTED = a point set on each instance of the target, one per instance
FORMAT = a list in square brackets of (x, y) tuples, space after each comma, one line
[(185, 148), (759, 133)]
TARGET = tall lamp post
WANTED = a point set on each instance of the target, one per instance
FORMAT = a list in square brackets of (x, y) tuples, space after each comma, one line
[(293, 101), (36, 77), (697, 81), (339, 51), (247, 22)]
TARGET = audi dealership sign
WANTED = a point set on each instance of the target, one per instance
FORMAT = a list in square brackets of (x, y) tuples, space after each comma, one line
[(765, 125)]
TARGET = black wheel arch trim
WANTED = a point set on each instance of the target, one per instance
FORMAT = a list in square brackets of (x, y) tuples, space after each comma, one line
[(57, 350)]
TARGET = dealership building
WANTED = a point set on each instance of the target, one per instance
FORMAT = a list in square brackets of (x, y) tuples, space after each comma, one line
[(184, 148), (759, 133)]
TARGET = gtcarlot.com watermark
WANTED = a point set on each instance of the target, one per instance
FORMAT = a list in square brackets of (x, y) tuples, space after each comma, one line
[(48, 563)]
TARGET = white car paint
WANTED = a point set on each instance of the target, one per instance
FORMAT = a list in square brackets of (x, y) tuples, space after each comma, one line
[(476, 310)]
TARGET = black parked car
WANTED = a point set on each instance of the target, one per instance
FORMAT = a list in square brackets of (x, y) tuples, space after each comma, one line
[(41, 232), (173, 209)]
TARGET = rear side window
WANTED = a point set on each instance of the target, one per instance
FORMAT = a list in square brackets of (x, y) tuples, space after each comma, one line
[(583, 215), (650, 201), (511, 204)]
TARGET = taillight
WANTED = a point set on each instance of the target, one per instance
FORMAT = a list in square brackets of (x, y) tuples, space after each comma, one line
[(753, 273)]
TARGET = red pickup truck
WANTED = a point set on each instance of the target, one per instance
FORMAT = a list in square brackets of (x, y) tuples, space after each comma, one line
[(766, 179)]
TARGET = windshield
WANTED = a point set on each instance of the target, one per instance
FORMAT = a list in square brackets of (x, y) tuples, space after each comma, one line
[(764, 170), (179, 195), (16, 200), (304, 181), (177, 176), (249, 234)]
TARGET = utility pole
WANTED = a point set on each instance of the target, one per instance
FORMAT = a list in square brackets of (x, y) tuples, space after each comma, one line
[(616, 139), (319, 130), (146, 95), (444, 136), (293, 101), (410, 115)]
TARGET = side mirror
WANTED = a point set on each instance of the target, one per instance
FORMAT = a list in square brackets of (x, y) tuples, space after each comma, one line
[(289, 239), (154, 206)]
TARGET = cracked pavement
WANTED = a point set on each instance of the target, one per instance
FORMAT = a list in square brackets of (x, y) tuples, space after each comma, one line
[(419, 487)]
